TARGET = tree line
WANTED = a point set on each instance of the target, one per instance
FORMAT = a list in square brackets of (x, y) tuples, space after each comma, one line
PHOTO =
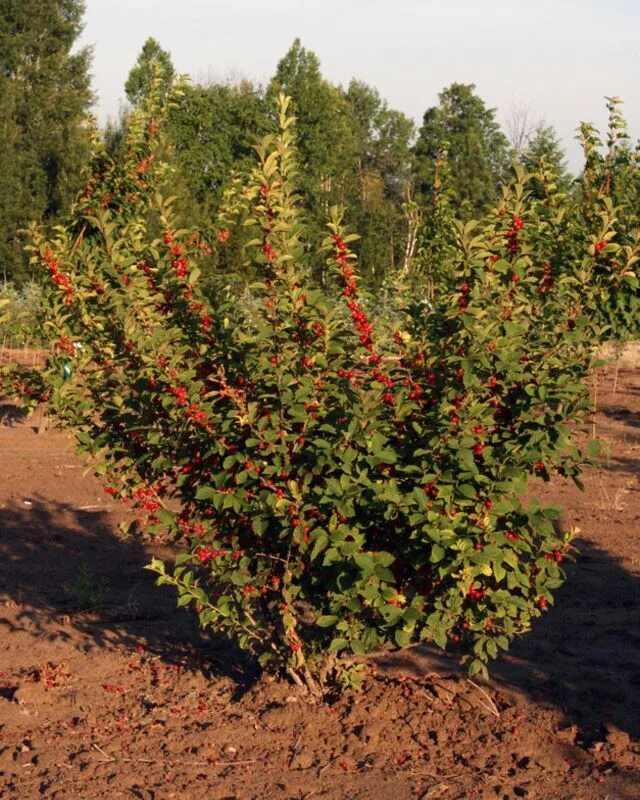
[(401, 184)]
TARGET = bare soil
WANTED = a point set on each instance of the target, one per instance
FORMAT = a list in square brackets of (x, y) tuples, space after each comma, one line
[(108, 691)]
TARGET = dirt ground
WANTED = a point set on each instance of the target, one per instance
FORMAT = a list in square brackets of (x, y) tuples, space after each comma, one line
[(108, 691)]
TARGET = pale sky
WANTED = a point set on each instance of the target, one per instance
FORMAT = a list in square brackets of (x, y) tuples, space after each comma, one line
[(555, 58)]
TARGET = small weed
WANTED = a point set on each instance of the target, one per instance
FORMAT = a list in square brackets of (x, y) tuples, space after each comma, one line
[(87, 590)]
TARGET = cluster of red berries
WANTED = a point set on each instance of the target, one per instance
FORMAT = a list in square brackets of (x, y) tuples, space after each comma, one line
[(59, 278), (380, 377), (513, 241), (66, 345), (142, 168), (547, 280), (306, 363), (476, 594), (206, 554), (599, 246), (147, 498), (178, 262), (361, 324), (358, 316), (431, 490), (196, 414), (463, 302), (180, 393), (195, 240), (186, 528)]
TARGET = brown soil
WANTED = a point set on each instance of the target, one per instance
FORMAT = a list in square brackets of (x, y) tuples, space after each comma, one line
[(107, 691)]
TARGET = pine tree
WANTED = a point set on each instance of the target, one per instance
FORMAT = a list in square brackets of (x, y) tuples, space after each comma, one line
[(142, 73), (325, 139), (355, 152), (478, 151), (544, 153)]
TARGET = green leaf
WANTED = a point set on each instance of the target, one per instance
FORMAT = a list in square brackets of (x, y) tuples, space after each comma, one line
[(467, 491), (337, 645), (260, 525), (594, 448), (437, 553), (326, 621)]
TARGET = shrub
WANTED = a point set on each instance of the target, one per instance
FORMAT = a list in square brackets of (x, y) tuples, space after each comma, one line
[(330, 490), (20, 318)]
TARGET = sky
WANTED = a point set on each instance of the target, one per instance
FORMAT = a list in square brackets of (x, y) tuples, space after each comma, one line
[(551, 60)]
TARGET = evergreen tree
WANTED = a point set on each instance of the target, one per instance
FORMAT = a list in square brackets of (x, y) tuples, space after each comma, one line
[(325, 139), (44, 97), (544, 153), (139, 80), (478, 151), (354, 151)]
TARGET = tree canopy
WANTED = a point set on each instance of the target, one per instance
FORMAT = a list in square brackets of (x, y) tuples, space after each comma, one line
[(142, 73), (44, 98), (543, 151), (478, 150)]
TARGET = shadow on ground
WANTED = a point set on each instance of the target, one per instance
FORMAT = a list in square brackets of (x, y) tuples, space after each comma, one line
[(64, 570), (582, 656), (9, 413), (67, 569)]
